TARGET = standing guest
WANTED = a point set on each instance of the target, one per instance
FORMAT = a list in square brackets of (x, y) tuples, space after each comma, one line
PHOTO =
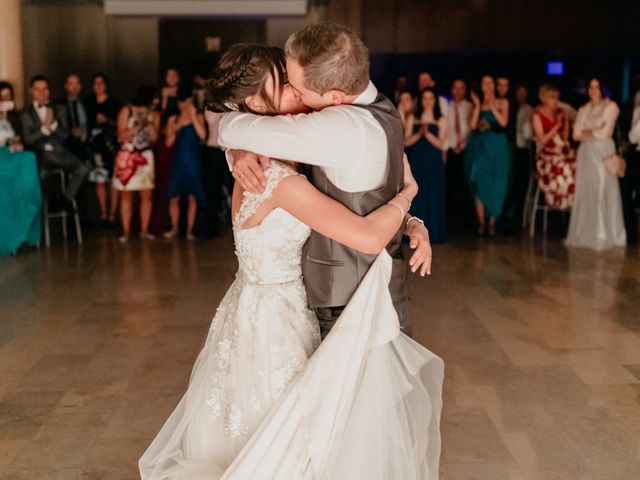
[(596, 220), (102, 118), (168, 94), (402, 85), (184, 133), (76, 115), (167, 107), (45, 131), (522, 157), (509, 221), (406, 106), (458, 128), (631, 182), (20, 196), (199, 93), (425, 139), (214, 175), (138, 126), (426, 80), (555, 159), (488, 157)]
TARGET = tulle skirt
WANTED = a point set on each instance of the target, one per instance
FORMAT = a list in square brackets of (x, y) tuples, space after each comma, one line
[(366, 405)]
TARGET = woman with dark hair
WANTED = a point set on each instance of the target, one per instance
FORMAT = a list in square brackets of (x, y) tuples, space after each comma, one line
[(488, 156), (185, 131), (596, 219), (257, 406), (425, 138), (102, 116), (138, 126)]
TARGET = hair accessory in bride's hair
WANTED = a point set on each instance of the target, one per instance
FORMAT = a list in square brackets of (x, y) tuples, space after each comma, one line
[(232, 106)]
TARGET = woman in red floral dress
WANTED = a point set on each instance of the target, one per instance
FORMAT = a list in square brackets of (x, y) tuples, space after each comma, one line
[(555, 160)]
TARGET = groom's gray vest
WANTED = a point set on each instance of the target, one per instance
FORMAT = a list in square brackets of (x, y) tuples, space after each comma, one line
[(332, 272)]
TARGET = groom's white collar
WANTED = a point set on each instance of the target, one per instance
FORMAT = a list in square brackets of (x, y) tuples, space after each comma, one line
[(368, 96)]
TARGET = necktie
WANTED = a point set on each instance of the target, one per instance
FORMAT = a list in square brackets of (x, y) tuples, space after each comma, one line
[(74, 113), (457, 127)]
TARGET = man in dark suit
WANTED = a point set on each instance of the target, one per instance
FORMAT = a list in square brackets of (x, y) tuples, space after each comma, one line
[(45, 131), (76, 116)]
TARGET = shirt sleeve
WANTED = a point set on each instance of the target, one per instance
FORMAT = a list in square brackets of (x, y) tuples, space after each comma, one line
[(578, 126), (329, 138), (634, 132), (610, 115)]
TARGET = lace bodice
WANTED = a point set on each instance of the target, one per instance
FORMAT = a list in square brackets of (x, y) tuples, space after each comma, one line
[(269, 253)]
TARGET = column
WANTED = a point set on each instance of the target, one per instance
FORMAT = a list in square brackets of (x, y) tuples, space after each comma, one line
[(11, 64)]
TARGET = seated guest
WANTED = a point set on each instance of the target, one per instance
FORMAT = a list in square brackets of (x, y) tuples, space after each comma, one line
[(20, 196), (458, 115), (555, 159), (102, 142), (10, 115), (45, 131), (185, 131), (76, 115)]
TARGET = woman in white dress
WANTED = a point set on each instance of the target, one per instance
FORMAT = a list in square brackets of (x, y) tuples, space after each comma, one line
[(367, 404), (596, 219)]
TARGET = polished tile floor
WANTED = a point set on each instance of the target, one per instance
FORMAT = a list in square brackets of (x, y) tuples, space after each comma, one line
[(541, 346)]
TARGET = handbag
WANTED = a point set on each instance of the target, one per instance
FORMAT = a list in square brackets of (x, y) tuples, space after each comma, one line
[(615, 165)]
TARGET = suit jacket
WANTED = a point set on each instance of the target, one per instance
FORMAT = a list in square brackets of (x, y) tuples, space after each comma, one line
[(33, 136)]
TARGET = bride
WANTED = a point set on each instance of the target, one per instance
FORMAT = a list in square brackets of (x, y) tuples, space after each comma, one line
[(260, 403)]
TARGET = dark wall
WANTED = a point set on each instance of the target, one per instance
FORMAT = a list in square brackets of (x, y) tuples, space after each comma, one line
[(574, 26), (183, 42)]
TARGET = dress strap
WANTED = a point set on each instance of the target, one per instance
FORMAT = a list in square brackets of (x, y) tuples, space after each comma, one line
[(252, 201)]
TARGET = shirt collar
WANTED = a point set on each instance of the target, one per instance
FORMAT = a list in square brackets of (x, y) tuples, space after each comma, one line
[(368, 96)]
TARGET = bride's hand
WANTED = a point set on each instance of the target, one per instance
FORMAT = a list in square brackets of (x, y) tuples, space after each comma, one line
[(410, 189)]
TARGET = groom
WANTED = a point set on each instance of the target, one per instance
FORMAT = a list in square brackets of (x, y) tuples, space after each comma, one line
[(354, 142)]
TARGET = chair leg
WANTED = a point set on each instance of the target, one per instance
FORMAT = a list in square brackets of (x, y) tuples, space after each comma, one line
[(45, 219), (527, 202), (77, 222), (545, 220), (534, 211)]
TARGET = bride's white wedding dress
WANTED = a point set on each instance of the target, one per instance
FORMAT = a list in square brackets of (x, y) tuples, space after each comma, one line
[(365, 405)]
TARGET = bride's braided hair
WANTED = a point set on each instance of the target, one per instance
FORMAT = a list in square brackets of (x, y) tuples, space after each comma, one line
[(243, 71)]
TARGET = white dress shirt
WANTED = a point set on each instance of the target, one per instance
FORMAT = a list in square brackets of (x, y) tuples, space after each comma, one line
[(41, 110), (464, 117), (524, 130), (346, 141)]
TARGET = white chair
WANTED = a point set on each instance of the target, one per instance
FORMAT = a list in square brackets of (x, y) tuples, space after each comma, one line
[(62, 214), (538, 206)]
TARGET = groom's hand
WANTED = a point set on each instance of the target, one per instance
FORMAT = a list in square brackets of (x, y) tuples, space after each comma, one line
[(248, 169), (419, 242)]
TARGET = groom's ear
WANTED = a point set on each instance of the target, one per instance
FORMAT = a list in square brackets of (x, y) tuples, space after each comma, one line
[(334, 97), (256, 104)]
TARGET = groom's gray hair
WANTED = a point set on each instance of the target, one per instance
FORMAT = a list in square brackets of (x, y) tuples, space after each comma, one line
[(332, 56)]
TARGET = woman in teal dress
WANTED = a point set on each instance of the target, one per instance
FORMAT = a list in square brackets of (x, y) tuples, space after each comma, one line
[(488, 158), (20, 195)]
